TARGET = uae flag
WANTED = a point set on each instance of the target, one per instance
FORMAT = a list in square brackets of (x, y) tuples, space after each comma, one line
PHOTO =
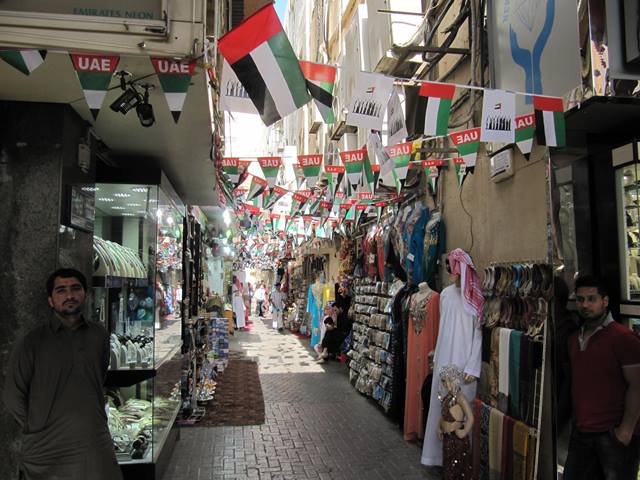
[(95, 73), (432, 171), (299, 174), (175, 78), (461, 169), (401, 156), (24, 60), (260, 54), (230, 166), (434, 107), (311, 168), (467, 142), (354, 164), (550, 117), (297, 202), (525, 131), (275, 194), (369, 178), (270, 168), (320, 82), (334, 174)]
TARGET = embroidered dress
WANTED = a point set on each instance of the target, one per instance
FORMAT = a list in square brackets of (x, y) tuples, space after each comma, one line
[(421, 339), (456, 452), (459, 343), (314, 308)]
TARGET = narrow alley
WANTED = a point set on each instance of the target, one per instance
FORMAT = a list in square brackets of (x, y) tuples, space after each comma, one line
[(317, 425)]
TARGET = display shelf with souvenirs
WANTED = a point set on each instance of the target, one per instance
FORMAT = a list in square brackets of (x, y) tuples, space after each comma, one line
[(371, 361), (136, 295), (627, 193)]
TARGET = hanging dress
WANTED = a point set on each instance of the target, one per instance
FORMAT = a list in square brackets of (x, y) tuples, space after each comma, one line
[(421, 339), (459, 343), (314, 308)]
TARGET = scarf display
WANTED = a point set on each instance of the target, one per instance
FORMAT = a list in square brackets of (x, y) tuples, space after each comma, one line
[(496, 422), (520, 450), (461, 264)]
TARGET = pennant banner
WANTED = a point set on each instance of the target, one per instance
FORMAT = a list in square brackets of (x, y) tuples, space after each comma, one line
[(401, 156), (432, 170), (257, 187), (230, 166), (396, 122), (354, 164), (334, 174), (525, 131), (498, 117), (275, 194), (320, 82), (95, 73), (233, 95), (467, 142), (26, 61), (270, 168), (434, 108), (550, 117), (369, 101), (299, 174), (260, 54), (310, 168), (461, 169), (175, 78)]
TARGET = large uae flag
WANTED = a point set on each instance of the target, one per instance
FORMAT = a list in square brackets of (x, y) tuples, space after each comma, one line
[(320, 82), (260, 54)]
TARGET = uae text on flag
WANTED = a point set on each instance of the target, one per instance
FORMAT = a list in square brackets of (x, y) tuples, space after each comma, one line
[(434, 108), (461, 169), (233, 95), (525, 131), (550, 121), (260, 54), (334, 175), (270, 167), (275, 194), (320, 82), (369, 101), (95, 73), (311, 165), (432, 171), (396, 123), (467, 142), (353, 161), (230, 166), (175, 78), (26, 61), (401, 156)]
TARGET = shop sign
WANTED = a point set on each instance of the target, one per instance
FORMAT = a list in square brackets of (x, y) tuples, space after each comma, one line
[(138, 10)]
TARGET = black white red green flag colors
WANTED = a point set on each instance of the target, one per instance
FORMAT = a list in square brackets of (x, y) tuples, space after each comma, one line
[(525, 131), (261, 56), (550, 121), (95, 73), (25, 61), (270, 167), (432, 171), (231, 167), (256, 188), (353, 161), (320, 82), (311, 165), (434, 108), (334, 175), (461, 169), (467, 142), (175, 78)]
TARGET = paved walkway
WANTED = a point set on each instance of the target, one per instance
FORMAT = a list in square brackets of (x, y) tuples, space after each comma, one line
[(317, 426)]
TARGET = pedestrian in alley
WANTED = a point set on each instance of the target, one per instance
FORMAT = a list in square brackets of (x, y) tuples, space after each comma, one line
[(277, 302), (330, 345), (605, 389), (260, 296), (54, 390)]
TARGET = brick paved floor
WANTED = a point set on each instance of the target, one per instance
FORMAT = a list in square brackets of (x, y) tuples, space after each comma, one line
[(317, 426)]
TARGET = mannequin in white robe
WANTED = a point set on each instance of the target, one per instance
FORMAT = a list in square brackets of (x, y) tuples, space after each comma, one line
[(459, 343), (237, 303)]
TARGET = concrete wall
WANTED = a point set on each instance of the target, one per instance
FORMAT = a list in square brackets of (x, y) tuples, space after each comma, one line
[(39, 141)]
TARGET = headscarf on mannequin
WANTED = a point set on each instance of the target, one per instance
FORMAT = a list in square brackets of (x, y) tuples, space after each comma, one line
[(461, 264)]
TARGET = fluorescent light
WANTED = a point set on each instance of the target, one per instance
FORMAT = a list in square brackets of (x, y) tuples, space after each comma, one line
[(122, 195), (118, 208), (90, 189), (134, 204), (139, 189), (126, 214), (105, 199)]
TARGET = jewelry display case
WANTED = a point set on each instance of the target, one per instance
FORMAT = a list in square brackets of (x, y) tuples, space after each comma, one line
[(137, 293)]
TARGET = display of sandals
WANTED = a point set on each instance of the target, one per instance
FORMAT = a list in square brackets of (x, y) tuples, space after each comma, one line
[(112, 259)]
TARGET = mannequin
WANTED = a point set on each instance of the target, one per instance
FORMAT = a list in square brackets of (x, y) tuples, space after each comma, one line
[(459, 342), (455, 424), (237, 303), (421, 340), (314, 308)]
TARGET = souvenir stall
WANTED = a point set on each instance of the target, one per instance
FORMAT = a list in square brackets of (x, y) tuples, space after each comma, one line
[(136, 285)]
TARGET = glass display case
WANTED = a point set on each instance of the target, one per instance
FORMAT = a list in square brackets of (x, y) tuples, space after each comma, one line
[(627, 177), (137, 292)]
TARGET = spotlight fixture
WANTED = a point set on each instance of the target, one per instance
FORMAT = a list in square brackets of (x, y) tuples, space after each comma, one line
[(125, 102), (144, 109)]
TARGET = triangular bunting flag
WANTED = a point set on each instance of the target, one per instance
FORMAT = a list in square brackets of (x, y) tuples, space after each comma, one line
[(270, 168), (396, 122), (320, 82), (432, 171), (550, 121), (24, 60), (461, 169), (175, 78), (299, 174), (401, 156), (259, 51), (525, 131), (368, 179), (311, 168), (230, 166), (354, 164), (95, 73), (434, 108), (467, 142), (334, 174), (275, 194), (498, 116)]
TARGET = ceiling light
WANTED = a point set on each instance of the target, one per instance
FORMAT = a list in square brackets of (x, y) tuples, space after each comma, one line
[(90, 189), (117, 208), (126, 214), (170, 220), (122, 195), (139, 189), (134, 205), (153, 200), (105, 199)]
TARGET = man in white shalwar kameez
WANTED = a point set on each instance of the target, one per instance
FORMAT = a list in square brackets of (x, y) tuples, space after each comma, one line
[(459, 343)]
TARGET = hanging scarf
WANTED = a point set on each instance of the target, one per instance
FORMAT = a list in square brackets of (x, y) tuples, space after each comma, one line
[(461, 264)]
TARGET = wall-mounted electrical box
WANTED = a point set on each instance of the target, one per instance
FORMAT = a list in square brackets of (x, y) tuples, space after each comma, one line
[(501, 164)]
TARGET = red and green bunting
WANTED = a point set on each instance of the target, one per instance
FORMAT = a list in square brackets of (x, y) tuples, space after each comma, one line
[(275, 194), (175, 78), (432, 171), (311, 165), (550, 121), (525, 131), (95, 73), (434, 108), (467, 142), (230, 166), (353, 161), (320, 82), (369, 177), (461, 169), (270, 168), (25, 61), (334, 174), (401, 155), (298, 200), (299, 174), (262, 58)]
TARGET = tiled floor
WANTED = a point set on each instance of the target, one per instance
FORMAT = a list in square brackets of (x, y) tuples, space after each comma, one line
[(317, 426)]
